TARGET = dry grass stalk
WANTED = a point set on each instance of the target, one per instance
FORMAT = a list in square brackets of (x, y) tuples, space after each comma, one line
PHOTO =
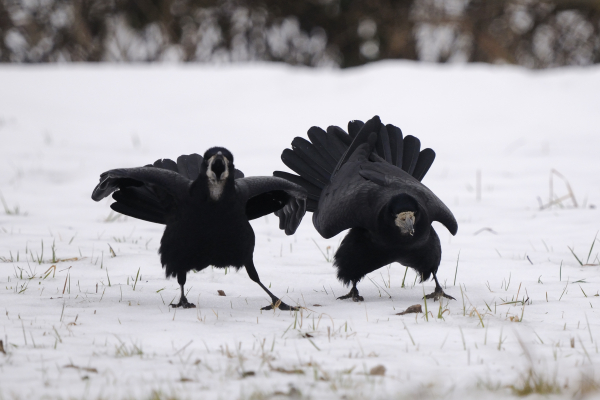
[(553, 199)]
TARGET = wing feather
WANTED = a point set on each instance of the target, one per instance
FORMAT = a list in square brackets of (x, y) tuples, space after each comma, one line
[(267, 194), (170, 181), (361, 189)]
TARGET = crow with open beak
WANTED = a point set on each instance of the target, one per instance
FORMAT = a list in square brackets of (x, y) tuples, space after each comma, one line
[(206, 205)]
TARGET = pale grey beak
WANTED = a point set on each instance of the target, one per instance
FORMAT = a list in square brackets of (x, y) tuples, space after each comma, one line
[(406, 222), (410, 222)]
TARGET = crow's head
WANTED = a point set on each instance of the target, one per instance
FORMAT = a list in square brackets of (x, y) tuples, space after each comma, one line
[(406, 222), (403, 210), (219, 164)]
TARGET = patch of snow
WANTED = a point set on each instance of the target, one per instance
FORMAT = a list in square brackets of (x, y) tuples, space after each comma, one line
[(98, 324)]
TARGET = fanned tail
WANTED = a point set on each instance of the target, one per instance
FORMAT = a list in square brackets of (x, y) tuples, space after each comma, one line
[(317, 160)]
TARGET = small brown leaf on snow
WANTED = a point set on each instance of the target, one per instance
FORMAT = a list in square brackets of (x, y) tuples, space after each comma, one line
[(377, 370), (221, 293), (412, 309)]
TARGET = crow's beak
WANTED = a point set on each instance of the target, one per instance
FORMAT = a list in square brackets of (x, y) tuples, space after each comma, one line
[(410, 222), (406, 222), (218, 165)]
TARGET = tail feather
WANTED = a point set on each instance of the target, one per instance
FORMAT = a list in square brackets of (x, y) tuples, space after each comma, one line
[(372, 125), (316, 136), (340, 134), (330, 143), (313, 191), (354, 127), (318, 160), (383, 144), (412, 146), (189, 166), (396, 144), (311, 156), (426, 158), (166, 163), (296, 164), (320, 171)]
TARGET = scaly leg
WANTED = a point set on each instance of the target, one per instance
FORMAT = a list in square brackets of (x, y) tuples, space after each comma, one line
[(353, 293), (276, 302), (438, 292), (183, 301)]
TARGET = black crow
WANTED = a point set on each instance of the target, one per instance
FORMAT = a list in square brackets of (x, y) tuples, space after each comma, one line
[(369, 181), (205, 204)]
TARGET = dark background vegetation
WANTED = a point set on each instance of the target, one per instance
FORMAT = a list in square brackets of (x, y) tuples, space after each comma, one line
[(342, 33)]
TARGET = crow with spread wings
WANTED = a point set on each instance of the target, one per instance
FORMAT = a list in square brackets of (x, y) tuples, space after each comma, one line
[(205, 204), (369, 181)]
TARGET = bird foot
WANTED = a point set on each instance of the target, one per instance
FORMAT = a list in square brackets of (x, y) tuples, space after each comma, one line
[(438, 294), (280, 305), (183, 303), (353, 294)]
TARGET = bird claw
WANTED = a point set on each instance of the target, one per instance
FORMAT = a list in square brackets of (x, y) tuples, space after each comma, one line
[(183, 303), (353, 294), (437, 294), (280, 305)]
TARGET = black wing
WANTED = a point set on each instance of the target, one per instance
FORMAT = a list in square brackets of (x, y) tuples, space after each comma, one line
[(396, 181), (170, 185), (267, 194), (150, 202), (361, 189)]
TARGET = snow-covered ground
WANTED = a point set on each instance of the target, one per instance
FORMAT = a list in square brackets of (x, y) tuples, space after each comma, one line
[(79, 322)]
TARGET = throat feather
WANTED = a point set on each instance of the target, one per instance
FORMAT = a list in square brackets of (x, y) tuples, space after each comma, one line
[(215, 189)]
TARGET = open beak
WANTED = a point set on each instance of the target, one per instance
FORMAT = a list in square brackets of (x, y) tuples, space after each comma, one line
[(218, 165)]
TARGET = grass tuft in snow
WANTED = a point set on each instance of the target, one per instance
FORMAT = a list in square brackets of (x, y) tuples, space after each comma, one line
[(128, 350), (11, 211), (535, 383)]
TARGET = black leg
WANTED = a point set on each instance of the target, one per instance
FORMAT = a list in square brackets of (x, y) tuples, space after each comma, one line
[(276, 303), (353, 293), (438, 293), (183, 302)]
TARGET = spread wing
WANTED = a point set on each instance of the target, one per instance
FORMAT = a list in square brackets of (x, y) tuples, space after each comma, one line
[(147, 201), (360, 190), (144, 191), (395, 180), (267, 194), (348, 201)]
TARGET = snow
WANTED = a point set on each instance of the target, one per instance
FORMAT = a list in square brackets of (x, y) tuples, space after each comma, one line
[(90, 330)]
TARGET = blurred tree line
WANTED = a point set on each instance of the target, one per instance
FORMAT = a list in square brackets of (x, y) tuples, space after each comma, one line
[(343, 33)]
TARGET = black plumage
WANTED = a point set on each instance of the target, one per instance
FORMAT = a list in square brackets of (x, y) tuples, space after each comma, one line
[(205, 204), (375, 190)]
